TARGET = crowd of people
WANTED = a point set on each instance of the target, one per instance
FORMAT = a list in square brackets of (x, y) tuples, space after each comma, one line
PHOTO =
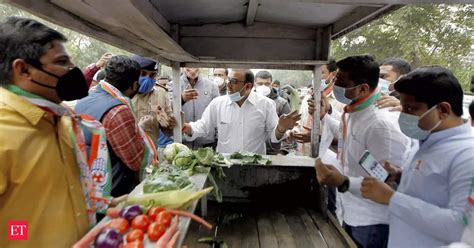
[(75, 142)]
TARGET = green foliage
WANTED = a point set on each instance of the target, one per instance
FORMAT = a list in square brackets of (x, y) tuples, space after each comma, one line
[(83, 49), (421, 34)]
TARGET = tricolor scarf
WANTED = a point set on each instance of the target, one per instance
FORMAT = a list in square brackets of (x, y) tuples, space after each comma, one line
[(150, 154), (96, 171), (353, 107)]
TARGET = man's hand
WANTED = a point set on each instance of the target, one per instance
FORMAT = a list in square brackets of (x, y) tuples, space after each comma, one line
[(189, 94), (376, 190), (324, 107), (103, 60), (395, 174), (328, 174), (303, 137), (288, 121), (391, 102), (162, 118), (187, 129), (117, 200), (146, 123)]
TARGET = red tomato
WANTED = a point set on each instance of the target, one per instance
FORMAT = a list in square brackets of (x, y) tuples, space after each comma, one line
[(120, 224), (153, 212), (141, 222), (164, 218), (134, 244), (155, 231), (136, 234)]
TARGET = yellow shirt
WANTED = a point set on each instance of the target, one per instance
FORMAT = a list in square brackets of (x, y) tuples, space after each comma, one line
[(39, 177)]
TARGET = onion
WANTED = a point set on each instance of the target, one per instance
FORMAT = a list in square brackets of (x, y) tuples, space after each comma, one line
[(131, 212), (108, 238)]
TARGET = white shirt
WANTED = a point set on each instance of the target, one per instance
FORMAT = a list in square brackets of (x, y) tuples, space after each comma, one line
[(427, 209), (377, 131), (244, 128)]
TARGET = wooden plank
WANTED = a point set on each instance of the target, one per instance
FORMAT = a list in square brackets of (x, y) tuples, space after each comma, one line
[(315, 235), (329, 233), (229, 228), (287, 65), (177, 131), (302, 236), (249, 48), (282, 230), (249, 231), (379, 2), (342, 233), (252, 11), (266, 232), (257, 30), (315, 128)]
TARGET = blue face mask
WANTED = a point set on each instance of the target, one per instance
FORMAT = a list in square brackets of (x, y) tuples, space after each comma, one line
[(409, 125), (340, 94), (146, 84)]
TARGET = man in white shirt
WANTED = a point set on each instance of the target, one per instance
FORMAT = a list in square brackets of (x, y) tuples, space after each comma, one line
[(244, 119), (363, 127), (427, 208)]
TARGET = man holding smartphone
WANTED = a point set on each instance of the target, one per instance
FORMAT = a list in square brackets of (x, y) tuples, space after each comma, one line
[(363, 127), (427, 210)]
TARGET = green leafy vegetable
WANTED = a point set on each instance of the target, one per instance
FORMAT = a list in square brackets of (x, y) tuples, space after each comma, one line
[(173, 149), (165, 178), (250, 158)]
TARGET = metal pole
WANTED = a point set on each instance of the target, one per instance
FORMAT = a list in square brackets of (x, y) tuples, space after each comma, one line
[(177, 134), (316, 128)]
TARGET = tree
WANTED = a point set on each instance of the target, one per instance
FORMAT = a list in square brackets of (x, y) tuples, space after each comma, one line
[(83, 50), (421, 34)]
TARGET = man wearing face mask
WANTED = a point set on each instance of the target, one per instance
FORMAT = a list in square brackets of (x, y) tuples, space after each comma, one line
[(197, 93), (131, 150), (44, 177), (152, 99), (391, 70), (220, 79), (427, 208), (244, 119), (263, 86), (363, 127)]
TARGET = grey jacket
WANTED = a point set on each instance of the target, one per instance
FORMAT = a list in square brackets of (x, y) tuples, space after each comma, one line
[(282, 105), (193, 109)]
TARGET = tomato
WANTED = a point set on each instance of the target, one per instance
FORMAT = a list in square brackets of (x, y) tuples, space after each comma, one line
[(141, 222), (134, 244), (120, 224), (155, 231), (153, 212), (136, 234), (164, 218)]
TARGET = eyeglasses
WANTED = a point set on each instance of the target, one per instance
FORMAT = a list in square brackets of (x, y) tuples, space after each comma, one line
[(235, 81)]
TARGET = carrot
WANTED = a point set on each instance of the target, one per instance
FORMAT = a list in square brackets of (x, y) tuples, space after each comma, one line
[(192, 216), (173, 240), (165, 239), (87, 240), (113, 212)]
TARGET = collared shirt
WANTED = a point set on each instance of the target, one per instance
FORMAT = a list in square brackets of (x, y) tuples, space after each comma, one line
[(39, 176), (427, 210), (194, 109), (377, 131), (244, 128)]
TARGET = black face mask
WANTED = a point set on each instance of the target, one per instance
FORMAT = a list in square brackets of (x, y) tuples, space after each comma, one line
[(70, 86)]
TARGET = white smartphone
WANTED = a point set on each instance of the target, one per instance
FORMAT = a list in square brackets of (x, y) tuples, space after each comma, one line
[(372, 167)]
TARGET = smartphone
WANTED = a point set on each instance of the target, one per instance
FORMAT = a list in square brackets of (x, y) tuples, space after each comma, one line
[(373, 167)]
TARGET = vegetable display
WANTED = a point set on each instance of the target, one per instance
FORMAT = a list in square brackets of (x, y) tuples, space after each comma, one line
[(166, 178), (168, 199), (154, 225), (250, 158)]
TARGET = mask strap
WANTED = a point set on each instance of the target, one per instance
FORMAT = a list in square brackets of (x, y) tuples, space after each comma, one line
[(47, 72), (427, 112), (44, 85)]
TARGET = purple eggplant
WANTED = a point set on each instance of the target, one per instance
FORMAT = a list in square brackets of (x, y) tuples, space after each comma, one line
[(131, 212), (108, 238)]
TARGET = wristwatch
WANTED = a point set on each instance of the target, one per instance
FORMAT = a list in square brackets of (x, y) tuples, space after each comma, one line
[(344, 186)]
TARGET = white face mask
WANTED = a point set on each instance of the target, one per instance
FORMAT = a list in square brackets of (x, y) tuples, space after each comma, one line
[(219, 81), (263, 90), (235, 97), (409, 125), (340, 94), (384, 86)]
